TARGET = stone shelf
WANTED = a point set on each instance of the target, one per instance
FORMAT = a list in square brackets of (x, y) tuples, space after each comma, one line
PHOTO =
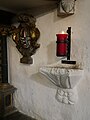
[(66, 77)]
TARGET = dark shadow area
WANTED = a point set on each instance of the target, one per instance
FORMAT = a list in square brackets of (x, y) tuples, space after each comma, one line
[(41, 79), (17, 116), (6, 17), (40, 10)]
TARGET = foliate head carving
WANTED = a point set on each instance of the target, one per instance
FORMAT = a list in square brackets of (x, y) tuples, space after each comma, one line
[(26, 36), (27, 19)]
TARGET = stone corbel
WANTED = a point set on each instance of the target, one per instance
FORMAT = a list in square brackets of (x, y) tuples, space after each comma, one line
[(66, 78), (66, 8)]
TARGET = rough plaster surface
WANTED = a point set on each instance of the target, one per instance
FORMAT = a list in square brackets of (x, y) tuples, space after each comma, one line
[(35, 94)]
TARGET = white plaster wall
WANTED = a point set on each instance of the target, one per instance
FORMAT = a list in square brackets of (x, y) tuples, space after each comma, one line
[(35, 95)]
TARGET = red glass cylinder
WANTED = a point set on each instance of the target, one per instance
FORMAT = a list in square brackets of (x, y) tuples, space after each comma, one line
[(61, 44)]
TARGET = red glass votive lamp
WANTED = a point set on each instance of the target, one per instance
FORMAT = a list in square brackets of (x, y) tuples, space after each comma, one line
[(61, 44)]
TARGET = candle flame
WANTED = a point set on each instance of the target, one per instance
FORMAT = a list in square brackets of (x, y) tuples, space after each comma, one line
[(63, 32)]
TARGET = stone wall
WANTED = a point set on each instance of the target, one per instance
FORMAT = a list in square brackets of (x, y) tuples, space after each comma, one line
[(35, 94)]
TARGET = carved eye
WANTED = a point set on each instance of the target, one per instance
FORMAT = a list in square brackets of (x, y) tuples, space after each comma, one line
[(68, 5)]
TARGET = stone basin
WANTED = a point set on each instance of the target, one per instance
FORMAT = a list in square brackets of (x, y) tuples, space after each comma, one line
[(65, 77)]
